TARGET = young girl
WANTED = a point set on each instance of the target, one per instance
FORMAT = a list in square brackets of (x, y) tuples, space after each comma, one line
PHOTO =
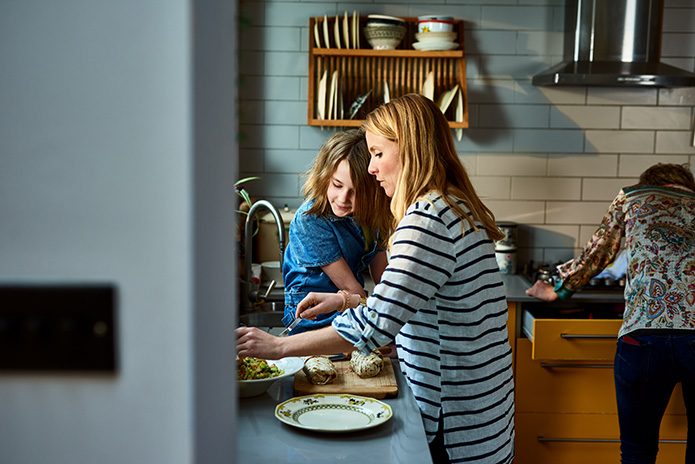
[(340, 231)]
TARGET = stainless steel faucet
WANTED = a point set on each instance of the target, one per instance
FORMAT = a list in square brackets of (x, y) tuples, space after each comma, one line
[(252, 294)]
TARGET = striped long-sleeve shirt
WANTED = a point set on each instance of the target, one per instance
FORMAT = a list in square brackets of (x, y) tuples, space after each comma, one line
[(442, 299)]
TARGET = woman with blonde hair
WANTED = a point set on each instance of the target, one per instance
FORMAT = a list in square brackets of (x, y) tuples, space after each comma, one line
[(441, 297), (340, 231)]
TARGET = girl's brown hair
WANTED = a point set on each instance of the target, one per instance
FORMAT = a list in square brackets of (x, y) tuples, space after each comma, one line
[(371, 207), (429, 161), (663, 174)]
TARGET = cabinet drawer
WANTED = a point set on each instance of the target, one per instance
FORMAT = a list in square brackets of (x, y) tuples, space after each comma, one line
[(570, 386), (575, 339), (582, 438)]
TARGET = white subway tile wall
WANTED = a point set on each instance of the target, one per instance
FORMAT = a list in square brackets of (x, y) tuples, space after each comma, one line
[(551, 159)]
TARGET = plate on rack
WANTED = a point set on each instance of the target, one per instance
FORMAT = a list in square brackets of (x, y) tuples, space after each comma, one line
[(321, 107), (357, 104), (325, 31), (446, 99), (333, 413), (333, 90), (428, 86), (355, 29), (387, 93), (317, 37), (336, 32), (346, 31), (431, 46), (459, 113)]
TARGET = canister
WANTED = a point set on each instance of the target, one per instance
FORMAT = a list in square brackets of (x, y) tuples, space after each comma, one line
[(510, 230), (506, 260)]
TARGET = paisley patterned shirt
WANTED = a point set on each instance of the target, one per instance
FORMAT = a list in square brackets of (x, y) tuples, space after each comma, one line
[(658, 224)]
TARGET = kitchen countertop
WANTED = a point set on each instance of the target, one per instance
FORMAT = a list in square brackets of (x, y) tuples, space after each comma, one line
[(516, 285), (264, 439)]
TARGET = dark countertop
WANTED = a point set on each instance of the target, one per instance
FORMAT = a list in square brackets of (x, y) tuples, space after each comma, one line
[(264, 439), (516, 286)]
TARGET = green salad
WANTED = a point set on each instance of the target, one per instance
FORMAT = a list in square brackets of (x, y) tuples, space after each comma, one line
[(255, 369)]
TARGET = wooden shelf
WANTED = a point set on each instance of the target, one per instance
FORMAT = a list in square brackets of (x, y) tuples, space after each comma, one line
[(404, 70)]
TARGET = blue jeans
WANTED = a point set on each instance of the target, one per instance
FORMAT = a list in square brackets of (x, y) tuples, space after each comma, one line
[(647, 368)]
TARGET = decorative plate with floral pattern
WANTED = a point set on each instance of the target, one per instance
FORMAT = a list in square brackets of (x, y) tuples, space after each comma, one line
[(333, 413)]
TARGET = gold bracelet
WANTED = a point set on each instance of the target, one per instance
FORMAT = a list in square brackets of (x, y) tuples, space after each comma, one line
[(363, 300), (346, 299)]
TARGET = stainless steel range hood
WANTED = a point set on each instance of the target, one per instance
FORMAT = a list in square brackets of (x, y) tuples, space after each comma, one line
[(614, 43)]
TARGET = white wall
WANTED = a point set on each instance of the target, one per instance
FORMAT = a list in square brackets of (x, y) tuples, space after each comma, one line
[(551, 159), (104, 176)]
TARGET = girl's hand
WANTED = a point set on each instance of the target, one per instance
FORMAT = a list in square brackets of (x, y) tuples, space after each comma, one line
[(255, 343), (317, 303)]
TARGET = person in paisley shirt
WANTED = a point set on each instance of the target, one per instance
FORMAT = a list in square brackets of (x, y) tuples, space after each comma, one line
[(656, 344)]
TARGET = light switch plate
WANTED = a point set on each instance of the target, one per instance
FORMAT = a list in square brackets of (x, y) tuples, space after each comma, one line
[(58, 327)]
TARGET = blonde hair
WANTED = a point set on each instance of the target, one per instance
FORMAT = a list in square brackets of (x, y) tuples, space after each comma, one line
[(429, 161), (371, 207), (663, 174)]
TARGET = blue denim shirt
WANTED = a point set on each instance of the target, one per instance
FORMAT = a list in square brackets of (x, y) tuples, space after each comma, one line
[(315, 242)]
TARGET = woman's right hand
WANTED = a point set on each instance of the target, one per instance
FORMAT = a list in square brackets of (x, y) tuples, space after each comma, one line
[(543, 291), (318, 303)]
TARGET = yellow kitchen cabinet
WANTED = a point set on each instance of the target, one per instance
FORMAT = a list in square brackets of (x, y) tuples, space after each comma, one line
[(585, 438), (565, 395)]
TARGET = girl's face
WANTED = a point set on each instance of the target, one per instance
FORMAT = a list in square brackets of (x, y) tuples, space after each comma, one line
[(385, 163), (341, 193)]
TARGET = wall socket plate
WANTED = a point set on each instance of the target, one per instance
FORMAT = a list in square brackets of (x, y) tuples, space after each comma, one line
[(58, 327)]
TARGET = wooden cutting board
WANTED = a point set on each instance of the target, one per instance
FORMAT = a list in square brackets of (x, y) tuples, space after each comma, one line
[(382, 386)]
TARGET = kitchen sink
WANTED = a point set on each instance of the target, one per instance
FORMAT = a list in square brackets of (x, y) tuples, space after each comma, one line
[(268, 314)]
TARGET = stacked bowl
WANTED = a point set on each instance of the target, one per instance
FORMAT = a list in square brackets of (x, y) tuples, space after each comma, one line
[(384, 32), (435, 33)]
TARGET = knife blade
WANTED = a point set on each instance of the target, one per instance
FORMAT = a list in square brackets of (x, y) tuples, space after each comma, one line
[(291, 327)]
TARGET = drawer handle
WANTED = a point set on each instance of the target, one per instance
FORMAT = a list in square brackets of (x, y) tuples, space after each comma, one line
[(587, 366), (598, 440), (564, 335)]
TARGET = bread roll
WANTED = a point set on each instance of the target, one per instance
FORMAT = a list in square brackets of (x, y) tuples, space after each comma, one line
[(319, 370), (366, 366)]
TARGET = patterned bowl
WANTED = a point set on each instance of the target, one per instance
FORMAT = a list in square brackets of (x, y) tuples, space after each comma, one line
[(384, 36)]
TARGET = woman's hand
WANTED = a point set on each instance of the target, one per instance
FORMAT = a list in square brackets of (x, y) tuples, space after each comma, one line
[(255, 343), (543, 291), (318, 303)]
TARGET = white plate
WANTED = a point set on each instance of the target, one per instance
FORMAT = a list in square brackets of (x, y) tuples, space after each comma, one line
[(428, 86), (321, 107), (336, 31), (346, 31), (459, 113), (333, 413), (435, 46), (317, 37), (355, 29), (291, 366), (333, 89), (325, 32), (446, 99)]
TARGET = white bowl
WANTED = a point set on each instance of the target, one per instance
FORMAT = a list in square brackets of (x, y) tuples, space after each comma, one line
[(435, 23), (384, 36), (272, 271), (435, 36), (248, 388), (383, 19)]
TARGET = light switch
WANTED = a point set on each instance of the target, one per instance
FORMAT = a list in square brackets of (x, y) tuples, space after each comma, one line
[(58, 327)]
